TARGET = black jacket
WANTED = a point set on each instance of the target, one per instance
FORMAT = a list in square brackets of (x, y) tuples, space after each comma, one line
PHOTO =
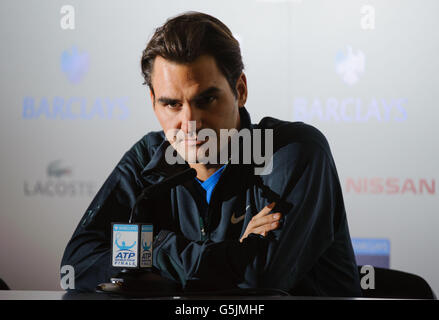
[(309, 254)]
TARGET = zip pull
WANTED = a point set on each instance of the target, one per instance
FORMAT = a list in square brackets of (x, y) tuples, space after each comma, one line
[(203, 231)]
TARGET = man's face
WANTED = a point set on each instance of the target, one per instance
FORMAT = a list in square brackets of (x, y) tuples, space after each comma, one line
[(195, 91)]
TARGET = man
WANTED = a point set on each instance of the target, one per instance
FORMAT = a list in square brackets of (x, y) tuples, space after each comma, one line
[(229, 227)]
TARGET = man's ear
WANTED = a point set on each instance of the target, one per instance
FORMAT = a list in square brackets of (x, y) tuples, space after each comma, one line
[(151, 94), (241, 89)]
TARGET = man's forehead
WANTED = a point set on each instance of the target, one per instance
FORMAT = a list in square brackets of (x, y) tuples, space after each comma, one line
[(194, 77)]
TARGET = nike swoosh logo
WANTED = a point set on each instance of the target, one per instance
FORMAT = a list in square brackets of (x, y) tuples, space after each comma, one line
[(236, 220)]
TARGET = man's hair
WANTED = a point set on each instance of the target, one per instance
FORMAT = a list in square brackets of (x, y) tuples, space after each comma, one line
[(184, 38)]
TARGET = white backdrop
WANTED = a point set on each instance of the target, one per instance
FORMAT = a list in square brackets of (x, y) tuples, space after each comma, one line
[(72, 102)]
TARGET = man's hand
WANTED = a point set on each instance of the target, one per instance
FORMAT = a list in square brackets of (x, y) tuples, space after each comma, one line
[(263, 222)]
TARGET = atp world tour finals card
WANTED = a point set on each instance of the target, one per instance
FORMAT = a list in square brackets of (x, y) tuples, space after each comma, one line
[(146, 238), (131, 248)]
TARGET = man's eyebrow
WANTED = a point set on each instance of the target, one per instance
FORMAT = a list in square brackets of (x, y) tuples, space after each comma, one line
[(207, 92), (166, 101)]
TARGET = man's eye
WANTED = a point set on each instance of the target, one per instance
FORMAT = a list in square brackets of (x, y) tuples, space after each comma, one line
[(210, 99), (206, 101), (172, 105)]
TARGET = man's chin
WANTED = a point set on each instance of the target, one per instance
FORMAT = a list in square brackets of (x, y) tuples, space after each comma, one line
[(188, 153), (194, 154), (193, 158)]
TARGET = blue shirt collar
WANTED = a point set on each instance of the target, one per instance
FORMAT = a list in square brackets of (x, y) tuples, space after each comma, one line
[(211, 182)]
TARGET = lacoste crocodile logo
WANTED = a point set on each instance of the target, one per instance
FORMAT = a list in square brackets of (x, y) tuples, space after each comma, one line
[(236, 220)]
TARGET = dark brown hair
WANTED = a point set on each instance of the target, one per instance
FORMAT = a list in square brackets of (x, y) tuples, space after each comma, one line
[(184, 38)]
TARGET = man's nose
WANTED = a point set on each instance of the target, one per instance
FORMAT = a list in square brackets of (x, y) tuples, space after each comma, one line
[(190, 119)]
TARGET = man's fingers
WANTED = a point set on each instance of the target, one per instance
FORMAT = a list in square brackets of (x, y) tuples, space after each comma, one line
[(266, 210), (263, 222), (263, 230), (268, 219)]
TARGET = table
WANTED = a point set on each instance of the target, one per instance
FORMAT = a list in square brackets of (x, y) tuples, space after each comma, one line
[(63, 295)]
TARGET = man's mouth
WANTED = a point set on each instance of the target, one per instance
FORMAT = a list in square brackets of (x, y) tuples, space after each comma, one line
[(194, 142)]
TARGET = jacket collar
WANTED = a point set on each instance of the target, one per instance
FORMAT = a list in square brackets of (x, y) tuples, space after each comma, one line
[(158, 169)]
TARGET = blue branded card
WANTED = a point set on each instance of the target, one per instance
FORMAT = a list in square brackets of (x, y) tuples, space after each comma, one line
[(375, 252), (125, 245)]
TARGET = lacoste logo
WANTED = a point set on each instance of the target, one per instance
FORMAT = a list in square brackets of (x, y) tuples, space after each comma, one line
[(236, 220), (55, 169)]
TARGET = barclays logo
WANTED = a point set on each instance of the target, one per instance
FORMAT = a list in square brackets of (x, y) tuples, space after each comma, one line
[(350, 110), (75, 108), (74, 64), (349, 65)]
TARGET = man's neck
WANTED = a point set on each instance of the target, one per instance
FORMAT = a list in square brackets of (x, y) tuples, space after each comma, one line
[(204, 171)]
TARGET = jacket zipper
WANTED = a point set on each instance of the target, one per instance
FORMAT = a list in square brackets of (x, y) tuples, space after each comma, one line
[(203, 230)]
